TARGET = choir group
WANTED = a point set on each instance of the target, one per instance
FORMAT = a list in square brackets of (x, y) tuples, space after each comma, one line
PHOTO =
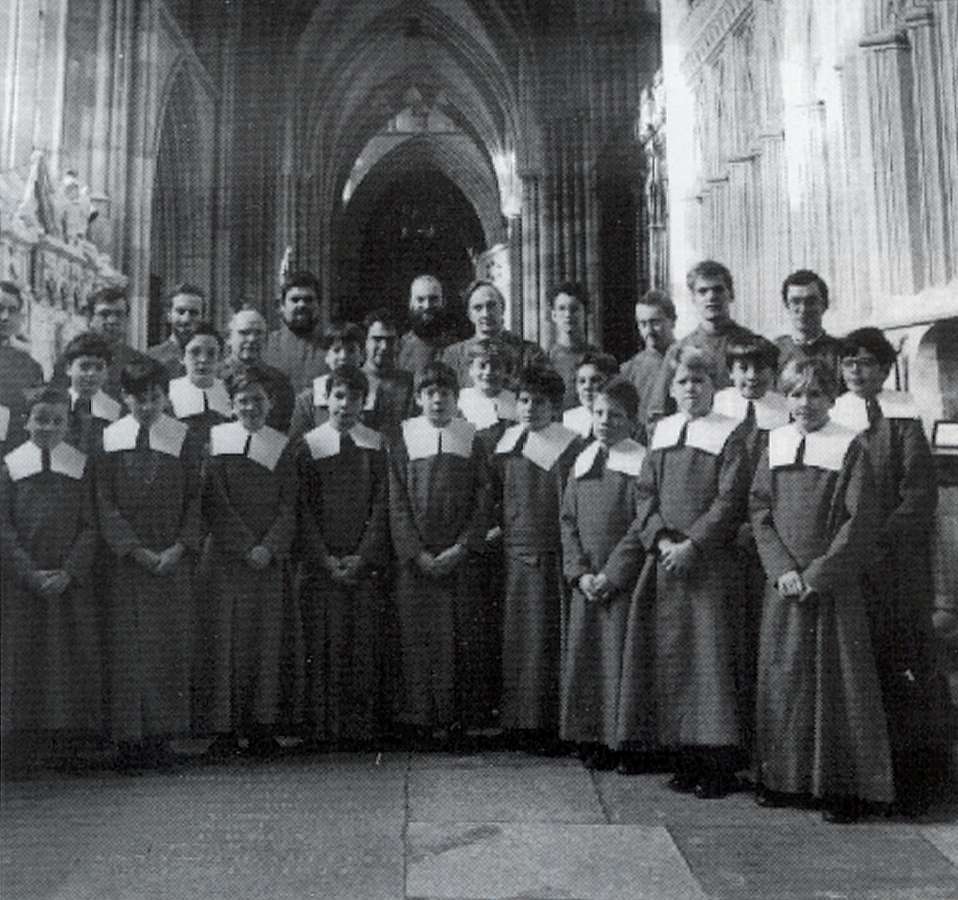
[(711, 561)]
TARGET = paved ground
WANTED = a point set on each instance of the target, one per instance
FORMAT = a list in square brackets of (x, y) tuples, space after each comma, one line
[(437, 826)]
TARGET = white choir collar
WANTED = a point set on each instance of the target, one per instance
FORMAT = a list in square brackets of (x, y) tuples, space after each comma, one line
[(850, 410), (626, 457), (771, 410), (187, 398), (27, 460), (102, 405), (708, 432), (824, 449), (324, 440), (322, 401), (265, 446), (542, 447), (166, 435), (421, 438), (4, 421), (578, 420), (485, 411)]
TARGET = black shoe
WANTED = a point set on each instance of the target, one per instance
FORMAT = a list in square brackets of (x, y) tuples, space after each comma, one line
[(712, 787), (600, 759), (682, 783), (160, 755), (842, 810), (264, 746), (636, 763), (223, 747), (769, 799)]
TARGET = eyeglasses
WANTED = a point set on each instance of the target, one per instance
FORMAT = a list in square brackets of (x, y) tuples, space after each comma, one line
[(859, 362)]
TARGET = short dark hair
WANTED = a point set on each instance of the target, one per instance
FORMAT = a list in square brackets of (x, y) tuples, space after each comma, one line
[(803, 277), (184, 287), (748, 347), (206, 328), (874, 341), (87, 344), (659, 299), (45, 393), (486, 349), (302, 278), (622, 391), (343, 333), (604, 362), (139, 376), (803, 371), (709, 268), (350, 377), (573, 289), (8, 287), (242, 378), (381, 315), (543, 381), (106, 295), (437, 374), (476, 285), (695, 359)]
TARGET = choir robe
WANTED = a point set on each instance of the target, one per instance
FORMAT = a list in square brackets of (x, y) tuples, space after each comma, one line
[(170, 354), (824, 347), (820, 726), (278, 387), (51, 653), (200, 408), (388, 403), (693, 484), (415, 353), (343, 511), (438, 496), (300, 359), (898, 580), (486, 412), (249, 500), (660, 400), (5, 416), (607, 689), (518, 353), (86, 426), (756, 417), (579, 420), (18, 370), (530, 469), (643, 371), (147, 491), (565, 360)]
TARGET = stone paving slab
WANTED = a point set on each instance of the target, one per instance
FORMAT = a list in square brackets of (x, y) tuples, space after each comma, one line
[(503, 794), (533, 861), (490, 760), (944, 838), (777, 862)]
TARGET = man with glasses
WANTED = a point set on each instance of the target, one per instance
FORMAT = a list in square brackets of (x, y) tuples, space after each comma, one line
[(805, 296)]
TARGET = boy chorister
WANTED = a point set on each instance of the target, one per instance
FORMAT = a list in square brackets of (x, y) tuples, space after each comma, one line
[(199, 398), (897, 580), (692, 496), (487, 404), (249, 504), (51, 659), (593, 371), (438, 513), (344, 522), (343, 344), (531, 464), (820, 726), (606, 670), (149, 514), (87, 360)]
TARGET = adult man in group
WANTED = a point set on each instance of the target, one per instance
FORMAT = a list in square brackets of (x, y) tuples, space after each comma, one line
[(293, 347), (805, 296), (710, 284), (108, 311), (184, 310), (390, 398), (247, 336), (567, 306), (18, 370), (486, 308), (655, 320), (428, 334)]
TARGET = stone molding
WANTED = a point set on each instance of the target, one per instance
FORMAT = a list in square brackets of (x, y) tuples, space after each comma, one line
[(705, 29)]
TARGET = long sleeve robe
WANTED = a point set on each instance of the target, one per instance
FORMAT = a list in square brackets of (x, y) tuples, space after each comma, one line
[(18, 370), (300, 359)]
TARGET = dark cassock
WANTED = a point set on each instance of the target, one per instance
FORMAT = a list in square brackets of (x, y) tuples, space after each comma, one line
[(415, 353), (278, 387), (825, 347), (18, 371), (530, 470), (693, 484), (820, 726), (147, 488), (660, 401), (51, 653), (200, 408), (643, 371), (565, 360), (898, 584), (607, 689), (169, 354), (438, 496), (343, 511), (249, 500), (300, 359), (89, 417), (518, 354)]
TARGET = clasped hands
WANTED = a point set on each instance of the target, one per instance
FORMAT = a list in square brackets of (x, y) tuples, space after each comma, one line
[(677, 557), (439, 565), (597, 588), (51, 582), (162, 563), (792, 586), (343, 569)]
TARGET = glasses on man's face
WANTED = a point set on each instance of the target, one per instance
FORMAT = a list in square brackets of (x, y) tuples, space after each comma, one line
[(799, 303), (859, 362)]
